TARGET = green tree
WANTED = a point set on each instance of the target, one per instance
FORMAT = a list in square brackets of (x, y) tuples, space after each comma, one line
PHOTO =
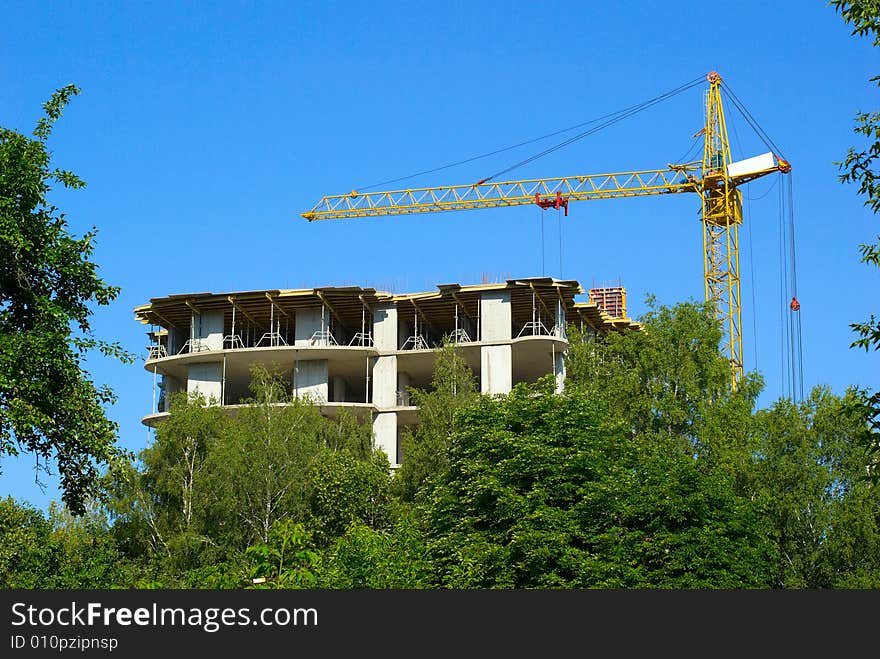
[(213, 484), (546, 491), (798, 465), (287, 558), (640, 474), (822, 515), (61, 551), (28, 556), (161, 509), (667, 377), (860, 168), (343, 489), (395, 558), (49, 405), (88, 556), (258, 471), (177, 461), (426, 448)]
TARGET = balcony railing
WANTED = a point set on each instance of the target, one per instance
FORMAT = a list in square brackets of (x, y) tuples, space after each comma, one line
[(272, 339), (194, 345), (233, 342), (415, 342), (323, 338), (156, 352), (538, 328), (363, 339), (533, 328)]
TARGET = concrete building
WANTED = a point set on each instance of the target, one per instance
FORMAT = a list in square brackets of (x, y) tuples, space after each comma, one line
[(361, 349)]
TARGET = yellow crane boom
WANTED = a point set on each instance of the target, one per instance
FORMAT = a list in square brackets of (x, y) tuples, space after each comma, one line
[(715, 178), (506, 193)]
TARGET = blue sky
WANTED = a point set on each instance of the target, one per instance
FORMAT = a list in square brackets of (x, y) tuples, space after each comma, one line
[(204, 130)]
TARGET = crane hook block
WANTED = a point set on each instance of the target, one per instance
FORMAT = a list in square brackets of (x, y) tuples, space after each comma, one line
[(784, 165), (552, 202), (795, 305)]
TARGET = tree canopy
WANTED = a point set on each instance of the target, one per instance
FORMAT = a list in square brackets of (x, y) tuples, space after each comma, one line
[(860, 168), (647, 471), (49, 405)]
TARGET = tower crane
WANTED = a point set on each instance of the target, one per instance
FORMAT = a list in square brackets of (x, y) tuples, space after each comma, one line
[(716, 178)]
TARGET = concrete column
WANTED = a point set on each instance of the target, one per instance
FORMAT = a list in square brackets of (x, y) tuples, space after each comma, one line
[(171, 385), (168, 386), (495, 369), (559, 328), (385, 434), (206, 380), (308, 321), (208, 330), (338, 389), (385, 368), (385, 381), (559, 370), (495, 318), (495, 361), (385, 327), (174, 340), (310, 380), (403, 382)]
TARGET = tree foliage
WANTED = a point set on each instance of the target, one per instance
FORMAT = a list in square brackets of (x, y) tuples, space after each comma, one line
[(647, 471), (665, 378), (426, 447), (343, 489), (88, 554), (823, 516), (599, 487), (860, 165), (258, 468), (49, 406), (286, 560), (860, 168), (163, 507), (27, 557), (61, 551), (545, 493), (213, 491), (390, 558)]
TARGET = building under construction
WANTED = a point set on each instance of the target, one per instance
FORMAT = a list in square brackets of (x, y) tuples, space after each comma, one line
[(361, 349)]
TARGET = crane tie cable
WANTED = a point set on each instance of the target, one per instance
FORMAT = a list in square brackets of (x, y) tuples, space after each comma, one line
[(610, 118), (623, 114), (751, 120), (490, 153)]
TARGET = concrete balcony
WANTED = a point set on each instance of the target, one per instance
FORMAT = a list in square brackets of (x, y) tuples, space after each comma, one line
[(361, 411)]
